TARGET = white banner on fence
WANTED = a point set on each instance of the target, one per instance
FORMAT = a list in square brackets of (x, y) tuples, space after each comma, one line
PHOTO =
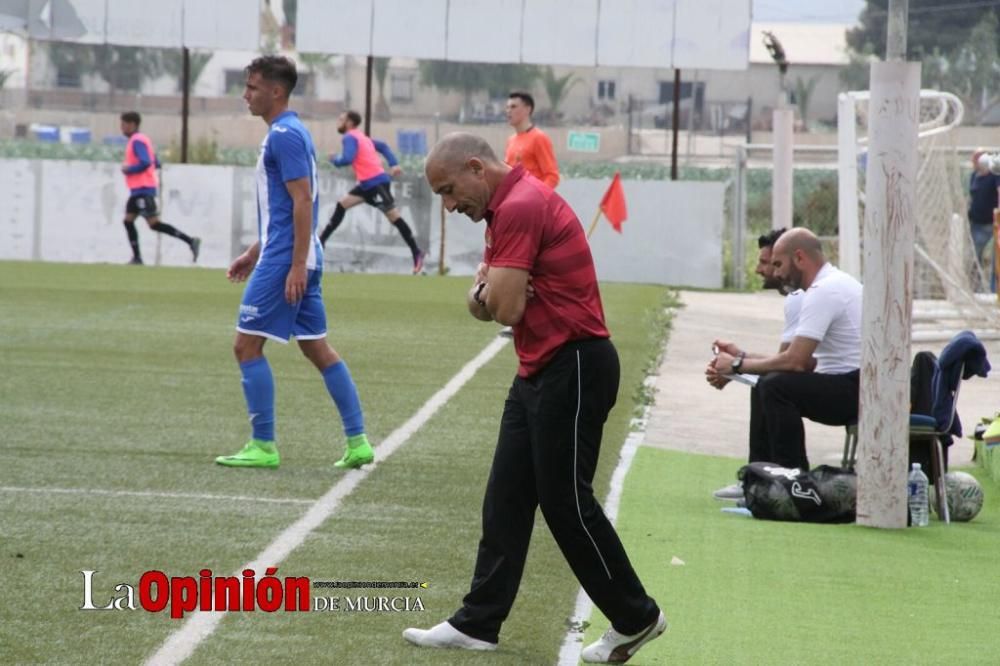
[(699, 34), (220, 24)]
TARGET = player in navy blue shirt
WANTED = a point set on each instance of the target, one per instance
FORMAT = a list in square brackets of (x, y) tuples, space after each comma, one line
[(983, 198), (283, 298)]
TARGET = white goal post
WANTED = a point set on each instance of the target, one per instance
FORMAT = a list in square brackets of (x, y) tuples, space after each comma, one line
[(946, 275)]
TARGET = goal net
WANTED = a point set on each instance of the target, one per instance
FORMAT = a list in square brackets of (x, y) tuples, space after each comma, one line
[(946, 275)]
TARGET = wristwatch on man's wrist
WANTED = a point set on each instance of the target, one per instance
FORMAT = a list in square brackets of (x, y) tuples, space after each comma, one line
[(477, 296), (738, 361)]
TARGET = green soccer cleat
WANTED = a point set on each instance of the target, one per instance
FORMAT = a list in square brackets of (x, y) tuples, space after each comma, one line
[(359, 452), (256, 453)]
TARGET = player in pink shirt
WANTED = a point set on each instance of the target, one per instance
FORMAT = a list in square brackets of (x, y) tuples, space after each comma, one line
[(365, 156)]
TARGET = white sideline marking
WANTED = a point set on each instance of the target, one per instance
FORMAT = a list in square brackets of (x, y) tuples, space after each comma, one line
[(572, 646), (200, 624), (140, 493)]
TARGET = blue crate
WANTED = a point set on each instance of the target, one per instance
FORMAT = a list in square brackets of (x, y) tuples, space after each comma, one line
[(76, 135), (45, 133), (412, 142)]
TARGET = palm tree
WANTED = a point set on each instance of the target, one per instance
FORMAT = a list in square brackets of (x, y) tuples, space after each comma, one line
[(314, 62), (557, 87), (173, 64), (803, 95), (470, 77)]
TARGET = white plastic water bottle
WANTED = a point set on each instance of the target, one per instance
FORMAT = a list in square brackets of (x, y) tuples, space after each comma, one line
[(919, 507)]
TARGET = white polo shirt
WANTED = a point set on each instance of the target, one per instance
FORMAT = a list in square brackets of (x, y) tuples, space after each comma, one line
[(793, 305), (831, 315)]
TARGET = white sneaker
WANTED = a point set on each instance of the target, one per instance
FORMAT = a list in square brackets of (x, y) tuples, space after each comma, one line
[(733, 492), (445, 636), (615, 648)]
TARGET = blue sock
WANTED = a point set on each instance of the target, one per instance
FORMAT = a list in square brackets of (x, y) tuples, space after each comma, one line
[(345, 395), (258, 388)]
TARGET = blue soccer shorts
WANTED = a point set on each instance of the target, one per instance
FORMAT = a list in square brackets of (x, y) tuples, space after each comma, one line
[(265, 312)]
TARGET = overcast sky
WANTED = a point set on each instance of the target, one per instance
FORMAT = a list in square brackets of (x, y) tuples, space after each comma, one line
[(808, 11)]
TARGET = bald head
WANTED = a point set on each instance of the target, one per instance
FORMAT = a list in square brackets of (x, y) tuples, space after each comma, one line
[(978, 163), (797, 258), (465, 171), (800, 239), (455, 150)]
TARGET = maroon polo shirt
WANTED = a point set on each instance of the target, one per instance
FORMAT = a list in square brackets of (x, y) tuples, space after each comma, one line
[(530, 227)]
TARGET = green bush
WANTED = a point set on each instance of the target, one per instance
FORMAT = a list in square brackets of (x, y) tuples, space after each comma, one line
[(818, 212), (200, 151)]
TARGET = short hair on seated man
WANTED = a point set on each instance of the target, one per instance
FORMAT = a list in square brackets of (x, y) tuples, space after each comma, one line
[(770, 238)]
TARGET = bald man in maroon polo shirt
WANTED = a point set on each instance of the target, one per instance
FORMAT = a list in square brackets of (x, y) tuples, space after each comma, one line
[(538, 276)]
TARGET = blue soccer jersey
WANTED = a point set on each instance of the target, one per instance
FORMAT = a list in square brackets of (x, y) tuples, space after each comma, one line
[(287, 153)]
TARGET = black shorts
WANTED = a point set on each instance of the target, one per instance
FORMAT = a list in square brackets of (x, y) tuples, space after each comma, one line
[(142, 204), (379, 196)]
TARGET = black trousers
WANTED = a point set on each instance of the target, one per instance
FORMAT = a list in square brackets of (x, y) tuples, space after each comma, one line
[(546, 455), (781, 399)]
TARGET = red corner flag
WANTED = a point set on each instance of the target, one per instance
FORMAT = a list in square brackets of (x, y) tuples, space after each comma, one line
[(612, 205)]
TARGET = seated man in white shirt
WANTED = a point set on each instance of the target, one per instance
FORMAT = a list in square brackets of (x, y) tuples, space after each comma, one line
[(760, 450), (816, 376), (793, 301)]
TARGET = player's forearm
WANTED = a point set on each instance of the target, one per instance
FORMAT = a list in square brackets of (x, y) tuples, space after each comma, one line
[(302, 229), (476, 308), (781, 362), (254, 251), (348, 151)]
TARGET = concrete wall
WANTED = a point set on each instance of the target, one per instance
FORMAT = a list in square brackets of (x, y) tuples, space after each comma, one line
[(673, 234), (72, 211)]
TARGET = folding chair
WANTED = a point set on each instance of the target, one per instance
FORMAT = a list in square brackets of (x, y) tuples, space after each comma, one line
[(966, 354), (850, 457), (923, 428)]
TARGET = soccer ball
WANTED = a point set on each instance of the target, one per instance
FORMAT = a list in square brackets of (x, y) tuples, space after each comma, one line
[(965, 496)]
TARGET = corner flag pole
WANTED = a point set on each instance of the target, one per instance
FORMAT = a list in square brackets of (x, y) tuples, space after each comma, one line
[(593, 225)]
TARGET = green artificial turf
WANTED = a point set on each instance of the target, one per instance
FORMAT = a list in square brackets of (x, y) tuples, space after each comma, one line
[(122, 379), (761, 592)]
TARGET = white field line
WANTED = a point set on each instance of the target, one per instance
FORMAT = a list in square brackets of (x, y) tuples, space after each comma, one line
[(572, 646), (157, 495), (201, 624)]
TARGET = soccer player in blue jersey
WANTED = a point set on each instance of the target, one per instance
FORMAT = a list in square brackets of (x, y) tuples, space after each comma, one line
[(283, 298)]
